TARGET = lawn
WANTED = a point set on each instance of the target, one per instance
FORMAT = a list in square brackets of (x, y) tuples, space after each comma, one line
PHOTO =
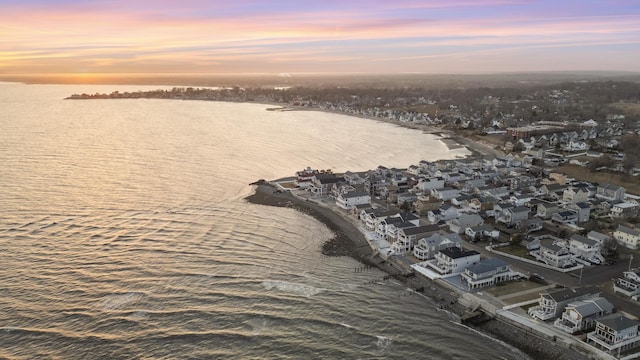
[(517, 250)]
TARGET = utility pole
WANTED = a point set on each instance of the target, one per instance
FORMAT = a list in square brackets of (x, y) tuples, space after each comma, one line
[(630, 260)]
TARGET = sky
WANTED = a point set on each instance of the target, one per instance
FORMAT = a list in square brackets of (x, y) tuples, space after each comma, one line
[(328, 36)]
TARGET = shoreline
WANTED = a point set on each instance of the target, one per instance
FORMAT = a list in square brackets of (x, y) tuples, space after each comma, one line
[(348, 240)]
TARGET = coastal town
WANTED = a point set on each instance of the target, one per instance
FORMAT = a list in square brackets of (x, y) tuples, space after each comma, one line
[(538, 229), (511, 243)]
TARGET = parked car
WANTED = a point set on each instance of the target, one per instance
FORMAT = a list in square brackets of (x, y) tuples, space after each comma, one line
[(537, 278)]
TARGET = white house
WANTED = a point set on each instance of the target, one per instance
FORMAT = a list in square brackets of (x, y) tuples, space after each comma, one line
[(624, 210), (352, 198), (628, 284), (581, 315), (552, 304), (484, 231), (455, 260), (408, 237), (585, 248), (428, 247), (459, 224), (554, 255), (614, 334), (487, 272), (627, 237), (445, 194)]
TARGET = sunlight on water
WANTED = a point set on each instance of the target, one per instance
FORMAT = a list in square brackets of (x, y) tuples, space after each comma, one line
[(124, 234)]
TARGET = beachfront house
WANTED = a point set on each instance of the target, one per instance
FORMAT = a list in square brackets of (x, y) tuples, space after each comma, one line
[(454, 260), (428, 247), (487, 272), (614, 334), (408, 237), (352, 198), (426, 184), (627, 237), (552, 303), (628, 284), (372, 217), (582, 315), (322, 183)]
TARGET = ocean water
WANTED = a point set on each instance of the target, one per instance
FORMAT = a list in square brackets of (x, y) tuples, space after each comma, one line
[(124, 235)]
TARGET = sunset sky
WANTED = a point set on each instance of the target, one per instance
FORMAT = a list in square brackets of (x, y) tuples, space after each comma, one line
[(287, 36)]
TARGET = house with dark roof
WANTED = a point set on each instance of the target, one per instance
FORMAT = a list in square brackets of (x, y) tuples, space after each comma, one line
[(582, 315), (628, 284), (552, 303), (408, 237), (487, 272), (428, 247), (454, 260), (614, 334)]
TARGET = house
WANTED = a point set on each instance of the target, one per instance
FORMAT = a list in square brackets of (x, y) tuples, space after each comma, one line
[(519, 200), (426, 203), (565, 217), (552, 303), (444, 213), (322, 183), (455, 260), (628, 284), (445, 194), (389, 227), (624, 210), (487, 272), (610, 192), (408, 237), (583, 210), (426, 184), (614, 334), (581, 315), (546, 209), (304, 177), (585, 248), (554, 254), (480, 232), (575, 195), (522, 182), (512, 216), (464, 221), (627, 237), (372, 217), (481, 203), (352, 198), (428, 247), (599, 237), (532, 225)]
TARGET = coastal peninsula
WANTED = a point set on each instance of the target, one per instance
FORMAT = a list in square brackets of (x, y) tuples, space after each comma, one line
[(349, 241)]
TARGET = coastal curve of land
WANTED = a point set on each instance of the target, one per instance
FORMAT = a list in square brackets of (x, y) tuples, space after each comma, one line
[(349, 241)]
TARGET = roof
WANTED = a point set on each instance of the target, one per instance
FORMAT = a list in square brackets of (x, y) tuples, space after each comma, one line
[(628, 230), (520, 209), (487, 265), (617, 322), (583, 205), (421, 229), (596, 235), (458, 253), (568, 294), (582, 239), (353, 194), (592, 306)]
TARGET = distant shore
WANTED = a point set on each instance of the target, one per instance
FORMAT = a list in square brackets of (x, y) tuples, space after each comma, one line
[(349, 241)]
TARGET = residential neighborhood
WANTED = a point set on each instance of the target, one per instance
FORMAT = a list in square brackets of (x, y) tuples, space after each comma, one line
[(485, 231)]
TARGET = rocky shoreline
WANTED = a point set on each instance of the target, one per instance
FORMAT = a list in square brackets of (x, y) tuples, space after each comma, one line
[(349, 241)]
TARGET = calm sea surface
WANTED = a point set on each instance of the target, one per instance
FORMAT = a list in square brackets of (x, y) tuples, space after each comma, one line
[(124, 235)]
